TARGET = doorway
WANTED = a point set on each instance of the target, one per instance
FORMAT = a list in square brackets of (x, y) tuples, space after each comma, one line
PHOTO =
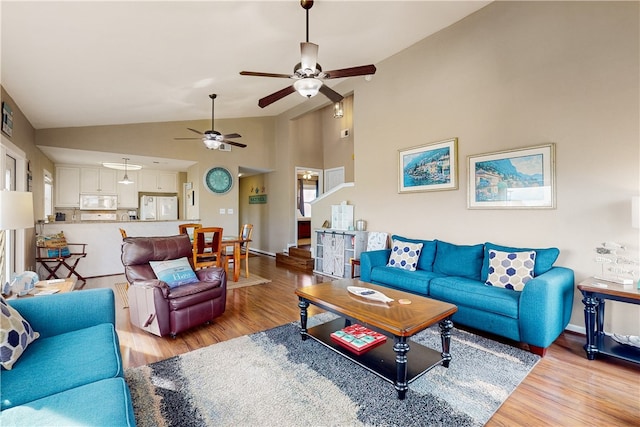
[(308, 186)]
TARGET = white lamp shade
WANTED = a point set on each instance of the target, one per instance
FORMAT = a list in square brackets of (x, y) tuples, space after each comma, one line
[(635, 212), (308, 87), (16, 210)]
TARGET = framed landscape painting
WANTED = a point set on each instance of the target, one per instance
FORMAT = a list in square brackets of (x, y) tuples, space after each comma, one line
[(429, 167), (516, 179)]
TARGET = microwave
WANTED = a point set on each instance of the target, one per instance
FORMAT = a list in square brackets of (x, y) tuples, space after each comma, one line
[(98, 202)]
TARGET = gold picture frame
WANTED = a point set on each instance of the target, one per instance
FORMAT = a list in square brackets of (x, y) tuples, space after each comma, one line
[(429, 167), (515, 179)]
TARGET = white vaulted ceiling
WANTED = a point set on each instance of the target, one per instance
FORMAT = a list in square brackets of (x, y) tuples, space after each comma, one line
[(88, 63)]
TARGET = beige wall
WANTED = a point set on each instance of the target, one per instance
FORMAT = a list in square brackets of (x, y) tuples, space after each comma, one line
[(338, 151), (256, 214), (513, 75), (24, 137), (157, 140)]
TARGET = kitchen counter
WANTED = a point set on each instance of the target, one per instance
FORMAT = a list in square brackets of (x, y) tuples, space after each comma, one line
[(104, 241)]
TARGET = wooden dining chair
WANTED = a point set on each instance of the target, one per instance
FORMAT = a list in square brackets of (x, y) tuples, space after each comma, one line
[(188, 228), (123, 233), (246, 231), (207, 247)]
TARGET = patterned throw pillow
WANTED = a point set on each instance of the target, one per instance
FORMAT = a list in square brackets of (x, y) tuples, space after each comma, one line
[(510, 270), (404, 255), (15, 336), (55, 244), (174, 272)]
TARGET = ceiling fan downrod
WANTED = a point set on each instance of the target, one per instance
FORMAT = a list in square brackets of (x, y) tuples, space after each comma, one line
[(306, 5), (213, 97)]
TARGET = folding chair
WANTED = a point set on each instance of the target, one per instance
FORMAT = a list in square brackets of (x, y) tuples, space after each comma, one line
[(52, 259)]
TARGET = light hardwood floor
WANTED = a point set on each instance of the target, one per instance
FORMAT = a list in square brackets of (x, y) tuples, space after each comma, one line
[(563, 389)]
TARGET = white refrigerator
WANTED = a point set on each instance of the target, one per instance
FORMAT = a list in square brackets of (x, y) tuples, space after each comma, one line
[(154, 208)]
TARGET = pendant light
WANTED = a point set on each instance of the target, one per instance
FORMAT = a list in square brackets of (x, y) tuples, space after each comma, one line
[(125, 179)]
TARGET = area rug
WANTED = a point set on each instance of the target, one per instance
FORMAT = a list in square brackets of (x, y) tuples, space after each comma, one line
[(244, 281), (273, 378), (121, 292)]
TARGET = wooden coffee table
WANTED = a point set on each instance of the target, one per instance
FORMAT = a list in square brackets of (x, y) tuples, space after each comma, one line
[(389, 360), (50, 287)]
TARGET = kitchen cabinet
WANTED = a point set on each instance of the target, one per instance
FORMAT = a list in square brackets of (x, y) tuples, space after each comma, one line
[(158, 181), (97, 180), (128, 193), (335, 249), (67, 187)]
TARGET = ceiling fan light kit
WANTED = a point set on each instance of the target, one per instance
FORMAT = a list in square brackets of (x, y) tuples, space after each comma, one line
[(308, 74), (308, 87)]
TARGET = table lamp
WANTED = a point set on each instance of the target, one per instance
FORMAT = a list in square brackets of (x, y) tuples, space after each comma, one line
[(16, 212)]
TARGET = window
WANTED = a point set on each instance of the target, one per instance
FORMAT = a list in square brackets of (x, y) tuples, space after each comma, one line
[(310, 192), (48, 193)]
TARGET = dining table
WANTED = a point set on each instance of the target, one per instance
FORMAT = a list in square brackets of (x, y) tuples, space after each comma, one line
[(236, 242)]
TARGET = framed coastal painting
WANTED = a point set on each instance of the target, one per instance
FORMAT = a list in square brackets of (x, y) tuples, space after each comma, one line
[(515, 179), (430, 167)]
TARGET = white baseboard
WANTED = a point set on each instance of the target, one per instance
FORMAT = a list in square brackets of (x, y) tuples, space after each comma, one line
[(259, 251), (577, 329)]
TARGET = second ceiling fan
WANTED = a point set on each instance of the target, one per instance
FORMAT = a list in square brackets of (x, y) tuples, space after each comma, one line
[(308, 74), (213, 139)]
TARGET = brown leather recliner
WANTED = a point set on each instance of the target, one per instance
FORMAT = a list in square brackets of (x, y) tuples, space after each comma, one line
[(156, 307)]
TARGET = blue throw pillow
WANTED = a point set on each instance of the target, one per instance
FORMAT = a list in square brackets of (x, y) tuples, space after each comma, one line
[(174, 272), (459, 260), (404, 255), (544, 258), (510, 270), (428, 254)]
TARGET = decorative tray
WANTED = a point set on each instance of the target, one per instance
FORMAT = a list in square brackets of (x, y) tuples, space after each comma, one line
[(369, 294)]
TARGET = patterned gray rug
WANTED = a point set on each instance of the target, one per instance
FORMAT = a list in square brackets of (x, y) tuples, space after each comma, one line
[(273, 378)]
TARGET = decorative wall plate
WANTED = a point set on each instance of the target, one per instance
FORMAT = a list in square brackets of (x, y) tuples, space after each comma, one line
[(218, 180)]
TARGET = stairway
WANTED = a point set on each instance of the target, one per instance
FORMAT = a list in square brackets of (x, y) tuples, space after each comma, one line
[(296, 258)]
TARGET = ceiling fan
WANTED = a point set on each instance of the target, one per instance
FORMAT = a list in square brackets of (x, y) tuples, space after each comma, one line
[(212, 138), (308, 74)]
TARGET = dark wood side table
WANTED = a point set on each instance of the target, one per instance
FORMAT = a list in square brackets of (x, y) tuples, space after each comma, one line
[(354, 262), (595, 292)]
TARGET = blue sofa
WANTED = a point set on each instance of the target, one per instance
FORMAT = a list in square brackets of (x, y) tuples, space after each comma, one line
[(72, 374), (537, 315)]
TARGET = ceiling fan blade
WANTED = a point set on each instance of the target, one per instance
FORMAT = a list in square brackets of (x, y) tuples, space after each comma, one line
[(259, 74), (232, 135), (184, 139), (362, 70), (309, 55), (237, 144), (270, 99), (196, 131), (331, 94)]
